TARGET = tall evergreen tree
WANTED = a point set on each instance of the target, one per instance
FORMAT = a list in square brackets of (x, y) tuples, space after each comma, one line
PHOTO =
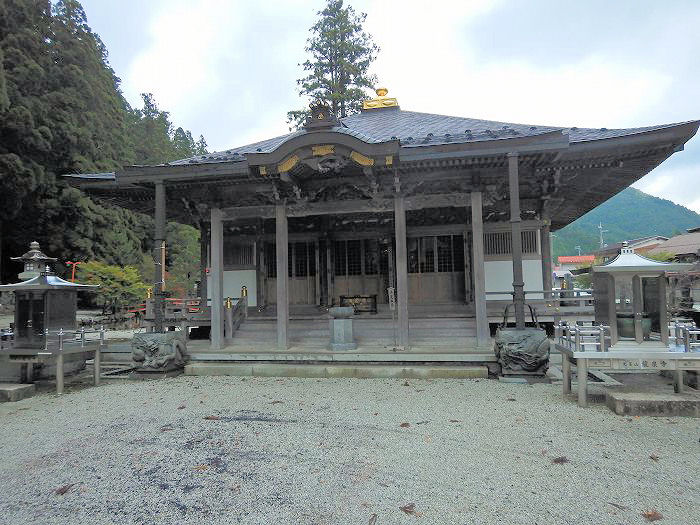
[(61, 111), (338, 69), (25, 139)]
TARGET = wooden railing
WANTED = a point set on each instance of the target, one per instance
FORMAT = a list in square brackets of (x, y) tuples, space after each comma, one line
[(549, 302), (235, 312), (184, 313), (57, 344)]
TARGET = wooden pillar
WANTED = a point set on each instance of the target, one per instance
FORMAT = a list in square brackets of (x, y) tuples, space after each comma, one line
[(663, 309), (317, 267), (401, 269), (281, 243), (468, 286), (483, 333), (260, 266), (612, 309), (330, 269), (582, 378), (516, 241), (203, 258), (158, 255), (217, 279), (546, 249), (637, 302)]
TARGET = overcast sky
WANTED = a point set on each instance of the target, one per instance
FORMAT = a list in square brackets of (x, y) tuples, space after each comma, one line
[(227, 69)]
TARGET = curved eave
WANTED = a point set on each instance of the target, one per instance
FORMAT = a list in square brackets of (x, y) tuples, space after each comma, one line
[(674, 133), (643, 268), (335, 136), (547, 141), (44, 282)]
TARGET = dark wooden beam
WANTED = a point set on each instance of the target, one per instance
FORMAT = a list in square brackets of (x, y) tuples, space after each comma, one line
[(417, 202)]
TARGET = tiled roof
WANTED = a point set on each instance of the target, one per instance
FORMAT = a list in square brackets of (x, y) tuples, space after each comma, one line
[(632, 243), (414, 129), (680, 244), (575, 259)]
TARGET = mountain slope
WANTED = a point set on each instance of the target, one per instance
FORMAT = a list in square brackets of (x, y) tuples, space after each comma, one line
[(628, 215)]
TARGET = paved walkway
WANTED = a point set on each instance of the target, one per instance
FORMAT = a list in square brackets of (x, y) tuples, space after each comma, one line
[(221, 450)]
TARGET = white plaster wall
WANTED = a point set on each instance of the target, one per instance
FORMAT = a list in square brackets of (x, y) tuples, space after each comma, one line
[(499, 278), (234, 280)]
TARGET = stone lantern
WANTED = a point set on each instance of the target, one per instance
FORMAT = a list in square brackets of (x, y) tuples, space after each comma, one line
[(43, 303), (35, 262), (631, 297)]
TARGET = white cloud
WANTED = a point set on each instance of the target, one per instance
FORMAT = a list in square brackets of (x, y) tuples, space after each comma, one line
[(676, 183), (179, 66), (441, 74)]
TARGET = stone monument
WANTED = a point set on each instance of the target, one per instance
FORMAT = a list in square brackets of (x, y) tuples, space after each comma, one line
[(341, 328), (524, 351), (158, 352)]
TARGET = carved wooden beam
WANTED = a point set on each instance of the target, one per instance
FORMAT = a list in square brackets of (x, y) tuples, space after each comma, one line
[(380, 205)]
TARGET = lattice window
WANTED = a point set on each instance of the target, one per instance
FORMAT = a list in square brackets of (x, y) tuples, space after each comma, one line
[(372, 249), (340, 257), (412, 250), (445, 253), (529, 241), (271, 260), (301, 261), (458, 250), (499, 243), (354, 254), (384, 259), (427, 254), (311, 250), (238, 254)]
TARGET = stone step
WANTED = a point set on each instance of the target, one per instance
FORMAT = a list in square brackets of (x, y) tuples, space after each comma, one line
[(369, 322), (657, 404), (438, 334), (337, 370), (16, 391), (324, 336)]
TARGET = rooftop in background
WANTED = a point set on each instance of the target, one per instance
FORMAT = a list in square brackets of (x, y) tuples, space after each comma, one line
[(641, 244), (629, 261), (684, 246), (575, 259)]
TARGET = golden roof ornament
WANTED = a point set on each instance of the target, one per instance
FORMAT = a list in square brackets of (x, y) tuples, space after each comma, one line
[(382, 101), (321, 116)]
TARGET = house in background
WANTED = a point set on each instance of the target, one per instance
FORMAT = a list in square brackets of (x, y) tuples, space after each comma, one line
[(566, 263), (641, 246), (684, 247)]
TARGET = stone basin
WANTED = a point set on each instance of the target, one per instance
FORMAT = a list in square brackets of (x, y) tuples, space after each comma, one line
[(341, 312)]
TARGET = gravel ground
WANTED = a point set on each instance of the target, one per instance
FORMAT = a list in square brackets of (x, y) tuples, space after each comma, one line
[(221, 450)]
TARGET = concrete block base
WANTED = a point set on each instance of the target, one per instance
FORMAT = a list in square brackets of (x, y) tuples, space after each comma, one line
[(15, 391), (653, 404), (343, 346), (512, 379), (336, 370)]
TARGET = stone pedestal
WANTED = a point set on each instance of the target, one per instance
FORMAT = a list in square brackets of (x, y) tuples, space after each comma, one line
[(341, 328), (523, 351), (158, 352)]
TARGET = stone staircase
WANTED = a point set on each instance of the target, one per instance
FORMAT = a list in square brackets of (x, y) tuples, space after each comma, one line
[(374, 333), (439, 348)]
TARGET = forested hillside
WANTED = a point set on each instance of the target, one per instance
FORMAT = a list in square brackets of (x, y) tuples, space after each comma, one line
[(62, 111), (628, 215)]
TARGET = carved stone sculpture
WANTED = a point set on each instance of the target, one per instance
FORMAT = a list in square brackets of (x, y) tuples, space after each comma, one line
[(522, 351), (158, 352)]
